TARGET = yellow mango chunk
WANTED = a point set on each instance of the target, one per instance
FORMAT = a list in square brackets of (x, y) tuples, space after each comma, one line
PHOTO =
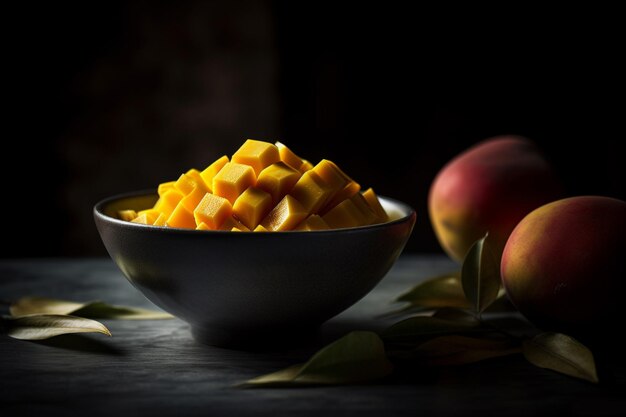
[(345, 214), (166, 186), (285, 215), (209, 173), (212, 210), (197, 177), (257, 154), (288, 157), (374, 203), (331, 174), (232, 180), (181, 217), (168, 202), (127, 215), (252, 206), (151, 214), (313, 222), (187, 182), (367, 214), (203, 226), (191, 200), (260, 228), (348, 191), (306, 166), (141, 219), (161, 220), (278, 179), (231, 223), (312, 192)]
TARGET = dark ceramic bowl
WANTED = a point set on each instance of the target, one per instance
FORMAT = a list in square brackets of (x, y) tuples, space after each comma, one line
[(233, 287)]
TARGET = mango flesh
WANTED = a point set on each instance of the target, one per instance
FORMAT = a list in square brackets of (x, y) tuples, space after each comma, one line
[(489, 188), (564, 266), (232, 180), (263, 187), (257, 154)]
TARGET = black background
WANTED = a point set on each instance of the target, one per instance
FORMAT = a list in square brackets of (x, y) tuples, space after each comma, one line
[(110, 97)]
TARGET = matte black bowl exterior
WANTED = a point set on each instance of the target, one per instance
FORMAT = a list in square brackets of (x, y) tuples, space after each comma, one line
[(233, 286)]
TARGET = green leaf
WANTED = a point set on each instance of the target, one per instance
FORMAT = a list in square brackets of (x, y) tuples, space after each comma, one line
[(561, 353), (355, 358), (44, 326), (441, 291), (94, 309), (480, 275), (416, 328), (501, 304)]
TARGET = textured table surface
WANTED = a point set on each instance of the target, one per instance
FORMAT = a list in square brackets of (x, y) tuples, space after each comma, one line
[(155, 368)]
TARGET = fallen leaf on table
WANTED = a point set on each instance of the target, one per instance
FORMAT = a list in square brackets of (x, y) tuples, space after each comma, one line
[(441, 291), (44, 326), (355, 358), (93, 309), (561, 353)]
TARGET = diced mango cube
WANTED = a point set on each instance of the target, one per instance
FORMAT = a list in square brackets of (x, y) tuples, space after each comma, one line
[(166, 186), (141, 219), (367, 214), (151, 214), (186, 183), (260, 228), (288, 157), (331, 174), (252, 206), (344, 214), (306, 166), (374, 203), (231, 223), (348, 191), (203, 226), (181, 217), (212, 210), (161, 220), (197, 177), (127, 215), (232, 180), (285, 215), (191, 200), (313, 222), (209, 173), (168, 201), (257, 154), (312, 192), (278, 179)]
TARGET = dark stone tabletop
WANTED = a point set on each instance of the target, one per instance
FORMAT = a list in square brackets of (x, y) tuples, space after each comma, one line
[(155, 368)]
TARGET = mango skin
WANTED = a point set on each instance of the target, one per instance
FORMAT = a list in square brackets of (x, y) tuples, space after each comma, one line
[(489, 188), (564, 265)]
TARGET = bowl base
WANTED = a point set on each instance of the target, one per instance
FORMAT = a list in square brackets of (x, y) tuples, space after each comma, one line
[(256, 339)]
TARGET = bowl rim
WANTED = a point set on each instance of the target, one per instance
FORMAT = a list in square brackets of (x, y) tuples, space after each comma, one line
[(99, 213)]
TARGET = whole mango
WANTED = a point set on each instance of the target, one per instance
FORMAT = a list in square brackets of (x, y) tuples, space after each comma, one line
[(564, 266), (489, 188)]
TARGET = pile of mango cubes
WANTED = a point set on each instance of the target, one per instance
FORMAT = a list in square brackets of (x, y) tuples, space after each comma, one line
[(263, 187)]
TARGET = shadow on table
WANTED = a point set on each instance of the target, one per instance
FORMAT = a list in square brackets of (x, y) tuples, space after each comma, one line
[(81, 343)]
